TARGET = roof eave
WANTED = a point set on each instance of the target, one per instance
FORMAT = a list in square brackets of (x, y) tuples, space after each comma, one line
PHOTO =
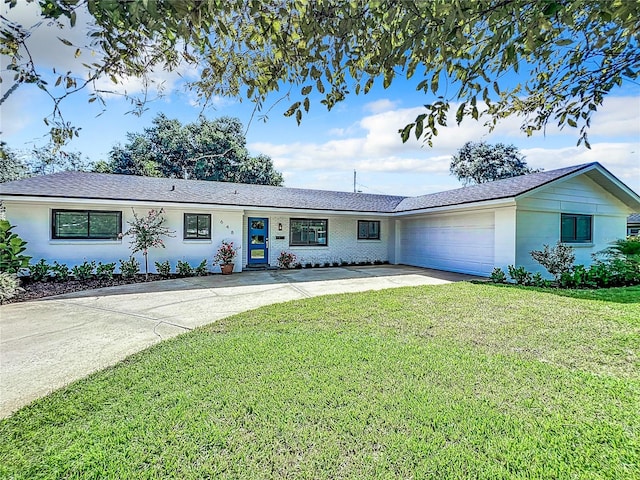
[(495, 202), (125, 202)]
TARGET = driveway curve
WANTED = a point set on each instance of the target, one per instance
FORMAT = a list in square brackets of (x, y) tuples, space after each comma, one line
[(49, 343)]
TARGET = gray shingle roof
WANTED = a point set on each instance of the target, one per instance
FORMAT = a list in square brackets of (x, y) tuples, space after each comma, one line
[(134, 188), (633, 218), (499, 189), (83, 185)]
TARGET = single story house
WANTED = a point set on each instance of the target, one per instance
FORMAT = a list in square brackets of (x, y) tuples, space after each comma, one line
[(633, 225), (74, 216)]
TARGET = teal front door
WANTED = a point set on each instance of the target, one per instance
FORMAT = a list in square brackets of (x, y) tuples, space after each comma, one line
[(258, 241)]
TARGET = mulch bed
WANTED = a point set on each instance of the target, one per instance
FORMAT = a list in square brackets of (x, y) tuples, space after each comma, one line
[(34, 290)]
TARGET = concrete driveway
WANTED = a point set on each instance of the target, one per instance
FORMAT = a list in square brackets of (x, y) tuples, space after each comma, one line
[(47, 344)]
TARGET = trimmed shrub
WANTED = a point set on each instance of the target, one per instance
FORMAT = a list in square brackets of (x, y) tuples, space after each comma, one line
[(163, 268), (60, 272), (129, 268), (84, 271), (105, 270), (519, 275), (498, 276), (201, 269), (184, 269), (538, 281), (9, 286), (39, 271)]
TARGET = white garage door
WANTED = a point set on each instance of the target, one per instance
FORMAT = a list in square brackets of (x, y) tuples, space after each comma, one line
[(457, 243)]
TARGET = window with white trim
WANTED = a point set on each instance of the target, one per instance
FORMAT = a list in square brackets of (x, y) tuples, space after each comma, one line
[(368, 230), (85, 224), (576, 228), (308, 232), (197, 226)]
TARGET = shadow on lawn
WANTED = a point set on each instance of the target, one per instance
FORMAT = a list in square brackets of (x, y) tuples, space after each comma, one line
[(616, 294)]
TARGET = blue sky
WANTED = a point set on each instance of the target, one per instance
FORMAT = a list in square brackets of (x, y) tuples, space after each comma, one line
[(360, 133)]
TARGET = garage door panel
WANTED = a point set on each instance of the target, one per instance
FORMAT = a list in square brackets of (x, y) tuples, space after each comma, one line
[(460, 243)]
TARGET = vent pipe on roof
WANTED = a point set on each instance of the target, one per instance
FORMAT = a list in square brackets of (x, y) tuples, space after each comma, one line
[(173, 188)]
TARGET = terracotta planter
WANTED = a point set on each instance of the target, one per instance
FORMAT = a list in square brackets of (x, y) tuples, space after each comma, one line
[(227, 269)]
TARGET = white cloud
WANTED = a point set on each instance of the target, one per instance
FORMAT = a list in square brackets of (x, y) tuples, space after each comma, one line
[(16, 111), (618, 116), (622, 159), (379, 106), (376, 149)]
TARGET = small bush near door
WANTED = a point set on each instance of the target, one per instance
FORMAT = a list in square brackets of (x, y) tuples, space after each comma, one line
[(201, 269), (184, 269), (286, 260)]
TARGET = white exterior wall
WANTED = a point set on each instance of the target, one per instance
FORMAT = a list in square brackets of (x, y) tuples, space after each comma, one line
[(33, 223), (538, 219), (343, 243), (453, 241), (505, 237)]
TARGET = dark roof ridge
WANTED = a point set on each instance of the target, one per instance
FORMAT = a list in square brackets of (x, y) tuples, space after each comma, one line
[(105, 186), (219, 183), (495, 190)]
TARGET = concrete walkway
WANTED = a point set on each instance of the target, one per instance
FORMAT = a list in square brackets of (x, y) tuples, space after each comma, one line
[(46, 344)]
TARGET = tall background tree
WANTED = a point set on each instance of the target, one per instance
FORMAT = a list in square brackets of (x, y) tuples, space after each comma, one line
[(567, 55), (203, 150), (11, 166), (42, 160), (50, 158), (482, 162)]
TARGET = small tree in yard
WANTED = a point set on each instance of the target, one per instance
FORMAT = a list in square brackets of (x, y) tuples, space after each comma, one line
[(147, 232), (557, 260)]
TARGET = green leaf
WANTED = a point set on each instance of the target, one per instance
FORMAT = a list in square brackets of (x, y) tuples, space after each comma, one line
[(368, 85), (434, 83), (405, 132), (419, 128), (460, 113), (292, 109)]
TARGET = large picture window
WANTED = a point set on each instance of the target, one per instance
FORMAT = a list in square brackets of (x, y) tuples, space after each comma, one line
[(197, 226), (368, 230), (308, 232), (85, 224), (575, 228)]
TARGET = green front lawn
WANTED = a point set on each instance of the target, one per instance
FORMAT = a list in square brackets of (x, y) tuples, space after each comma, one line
[(453, 381)]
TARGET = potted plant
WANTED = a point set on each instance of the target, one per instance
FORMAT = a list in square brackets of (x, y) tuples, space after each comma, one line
[(224, 257)]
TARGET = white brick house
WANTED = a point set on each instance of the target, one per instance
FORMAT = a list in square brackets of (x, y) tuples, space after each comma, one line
[(71, 217)]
